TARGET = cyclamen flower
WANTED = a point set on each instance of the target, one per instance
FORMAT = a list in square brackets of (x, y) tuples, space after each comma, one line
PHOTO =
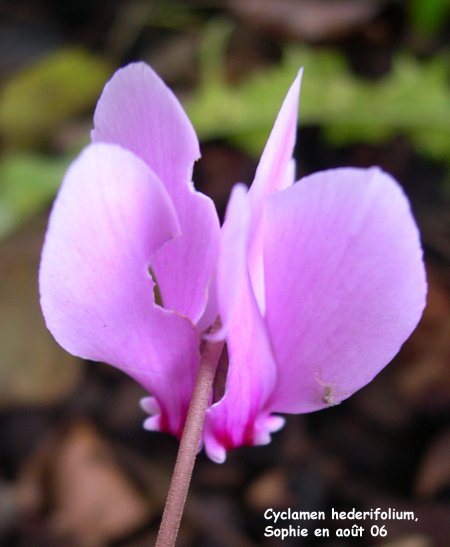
[(317, 283)]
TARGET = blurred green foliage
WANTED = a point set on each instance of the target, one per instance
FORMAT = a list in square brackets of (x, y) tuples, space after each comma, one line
[(28, 182), (429, 16), (34, 104), (37, 100), (412, 100)]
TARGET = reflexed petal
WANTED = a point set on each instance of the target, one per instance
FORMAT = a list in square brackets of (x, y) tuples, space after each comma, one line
[(212, 308), (111, 215), (140, 113), (185, 268), (345, 283), (232, 264), (240, 417), (276, 171), (290, 173), (276, 160)]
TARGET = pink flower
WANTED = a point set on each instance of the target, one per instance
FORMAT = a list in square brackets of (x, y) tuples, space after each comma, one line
[(317, 283)]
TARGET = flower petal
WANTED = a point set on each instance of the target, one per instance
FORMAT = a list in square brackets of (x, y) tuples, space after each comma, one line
[(232, 263), (185, 268), (276, 171), (345, 283), (240, 417), (111, 216), (275, 163), (140, 113)]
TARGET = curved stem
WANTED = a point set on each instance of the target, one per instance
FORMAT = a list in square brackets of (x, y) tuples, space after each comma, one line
[(190, 439)]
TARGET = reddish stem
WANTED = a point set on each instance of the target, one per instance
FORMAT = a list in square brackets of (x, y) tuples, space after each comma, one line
[(190, 439)]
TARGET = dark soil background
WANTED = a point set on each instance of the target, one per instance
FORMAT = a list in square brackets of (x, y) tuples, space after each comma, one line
[(76, 467)]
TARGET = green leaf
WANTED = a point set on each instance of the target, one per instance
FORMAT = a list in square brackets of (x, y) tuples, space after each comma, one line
[(413, 100), (28, 182), (35, 101), (429, 16)]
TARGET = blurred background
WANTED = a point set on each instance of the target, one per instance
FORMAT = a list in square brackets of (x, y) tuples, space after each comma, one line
[(76, 467)]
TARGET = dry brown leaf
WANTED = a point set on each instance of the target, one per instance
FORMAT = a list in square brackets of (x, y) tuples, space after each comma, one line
[(434, 472), (423, 373), (33, 368), (269, 490), (409, 541), (79, 490)]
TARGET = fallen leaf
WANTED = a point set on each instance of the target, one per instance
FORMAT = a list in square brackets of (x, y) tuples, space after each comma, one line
[(423, 367), (34, 369), (78, 490), (269, 490), (415, 540), (433, 475)]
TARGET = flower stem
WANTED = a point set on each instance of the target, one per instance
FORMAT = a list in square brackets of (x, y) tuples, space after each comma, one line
[(190, 439)]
